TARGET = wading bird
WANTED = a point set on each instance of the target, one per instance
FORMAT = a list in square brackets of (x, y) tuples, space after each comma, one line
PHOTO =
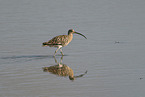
[(61, 41)]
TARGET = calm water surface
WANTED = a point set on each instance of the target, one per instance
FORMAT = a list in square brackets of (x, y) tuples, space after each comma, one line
[(113, 54)]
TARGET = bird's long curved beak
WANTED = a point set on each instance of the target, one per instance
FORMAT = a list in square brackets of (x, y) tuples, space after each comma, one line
[(81, 34)]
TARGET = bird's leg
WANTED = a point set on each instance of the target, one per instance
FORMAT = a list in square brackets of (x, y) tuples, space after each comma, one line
[(61, 51), (56, 51)]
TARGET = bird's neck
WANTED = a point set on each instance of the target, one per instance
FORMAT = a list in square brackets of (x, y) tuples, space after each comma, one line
[(70, 36)]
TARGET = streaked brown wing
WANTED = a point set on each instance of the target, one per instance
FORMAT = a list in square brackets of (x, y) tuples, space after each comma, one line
[(58, 40)]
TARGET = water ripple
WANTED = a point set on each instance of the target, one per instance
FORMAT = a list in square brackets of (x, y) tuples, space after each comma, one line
[(23, 58)]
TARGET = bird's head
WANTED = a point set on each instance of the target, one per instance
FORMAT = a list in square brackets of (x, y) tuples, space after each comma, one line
[(71, 31)]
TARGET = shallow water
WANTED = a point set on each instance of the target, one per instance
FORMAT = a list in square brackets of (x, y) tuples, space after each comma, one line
[(113, 54)]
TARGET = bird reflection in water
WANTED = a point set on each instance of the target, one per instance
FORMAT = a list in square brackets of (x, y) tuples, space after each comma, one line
[(62, 70)]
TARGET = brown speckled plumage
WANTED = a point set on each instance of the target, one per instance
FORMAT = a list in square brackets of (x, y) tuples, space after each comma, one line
[(61, 40), (58, 40)]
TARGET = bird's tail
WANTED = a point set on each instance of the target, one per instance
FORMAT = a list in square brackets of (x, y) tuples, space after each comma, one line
[(45, 44)]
